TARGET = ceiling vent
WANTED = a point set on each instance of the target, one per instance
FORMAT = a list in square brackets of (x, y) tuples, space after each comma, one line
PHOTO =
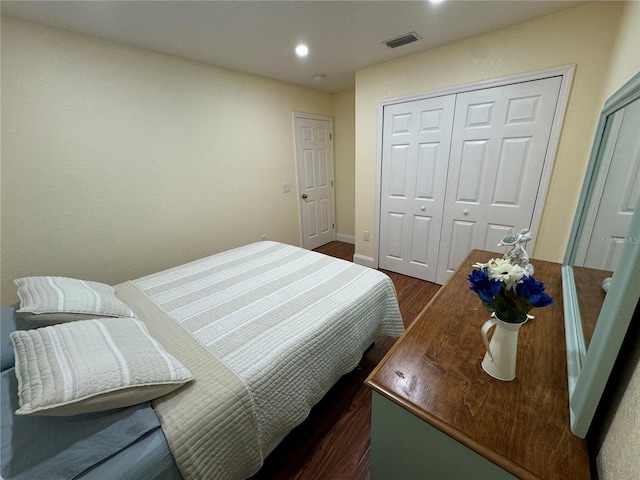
[(402, 40)]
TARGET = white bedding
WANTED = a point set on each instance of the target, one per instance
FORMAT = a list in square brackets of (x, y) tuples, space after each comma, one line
[(287, 321)]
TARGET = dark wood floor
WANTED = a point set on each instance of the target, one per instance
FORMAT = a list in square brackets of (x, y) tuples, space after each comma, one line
[(333, 442)]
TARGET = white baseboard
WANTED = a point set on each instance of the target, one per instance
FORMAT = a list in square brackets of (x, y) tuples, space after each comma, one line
[(366, 261), (346, 238)]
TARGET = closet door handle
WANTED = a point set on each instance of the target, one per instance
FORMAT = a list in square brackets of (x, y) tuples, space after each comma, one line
[(465, 212)]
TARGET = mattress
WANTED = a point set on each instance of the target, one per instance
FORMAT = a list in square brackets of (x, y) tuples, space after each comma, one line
[(266, 329)]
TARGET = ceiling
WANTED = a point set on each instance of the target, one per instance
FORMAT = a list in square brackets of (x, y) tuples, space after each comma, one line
[(259, 37)]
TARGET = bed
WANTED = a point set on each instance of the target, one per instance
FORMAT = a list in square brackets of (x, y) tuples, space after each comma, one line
[(265, 330)]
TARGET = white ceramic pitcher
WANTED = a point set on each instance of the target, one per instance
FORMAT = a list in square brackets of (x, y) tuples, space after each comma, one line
[(500, 359)]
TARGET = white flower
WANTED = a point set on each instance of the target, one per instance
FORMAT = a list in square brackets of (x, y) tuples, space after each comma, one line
[(501, 269), (482, 265)]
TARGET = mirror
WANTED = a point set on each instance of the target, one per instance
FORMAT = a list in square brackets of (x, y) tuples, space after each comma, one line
[(602, 254)]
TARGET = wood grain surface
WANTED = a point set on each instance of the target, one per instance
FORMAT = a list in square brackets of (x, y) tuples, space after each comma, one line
[(590, 297), (434, 372)]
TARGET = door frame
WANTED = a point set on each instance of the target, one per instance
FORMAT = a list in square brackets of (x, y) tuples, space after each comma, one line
[(300, 115), (565, 71)]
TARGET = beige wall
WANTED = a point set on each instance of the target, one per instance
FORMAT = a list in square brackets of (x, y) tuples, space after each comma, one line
[(619, 456), (584, 36), (625, 56), (344, 111), (118, 162)]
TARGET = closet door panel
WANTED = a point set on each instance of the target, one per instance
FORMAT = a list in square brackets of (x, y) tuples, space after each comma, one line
[(498, 149), (462, 233), (415, 156), (618, 195)]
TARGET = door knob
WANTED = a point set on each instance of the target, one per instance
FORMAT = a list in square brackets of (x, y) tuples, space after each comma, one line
[(304, 195), (465, 212), (422, 207)]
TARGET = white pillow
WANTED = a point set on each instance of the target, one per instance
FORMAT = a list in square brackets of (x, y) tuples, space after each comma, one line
[(92, 365), (51, 300)]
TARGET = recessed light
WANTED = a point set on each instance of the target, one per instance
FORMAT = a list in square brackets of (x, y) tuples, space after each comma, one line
[(319, 77), (302, 50)]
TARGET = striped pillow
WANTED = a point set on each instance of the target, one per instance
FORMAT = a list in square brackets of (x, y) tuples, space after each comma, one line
[(51, 300), (92, 365)]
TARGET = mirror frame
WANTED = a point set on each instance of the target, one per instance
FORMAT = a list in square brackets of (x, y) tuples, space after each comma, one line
[(589, 369)]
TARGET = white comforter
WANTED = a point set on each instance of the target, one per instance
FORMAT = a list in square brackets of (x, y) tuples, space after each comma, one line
[(288, 322)]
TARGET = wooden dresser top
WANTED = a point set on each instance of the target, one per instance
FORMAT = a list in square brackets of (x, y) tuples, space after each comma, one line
[(434, 372)]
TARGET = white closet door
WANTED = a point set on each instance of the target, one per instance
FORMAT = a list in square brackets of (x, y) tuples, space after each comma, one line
[(498, 149), (621, 192), (416, 140)]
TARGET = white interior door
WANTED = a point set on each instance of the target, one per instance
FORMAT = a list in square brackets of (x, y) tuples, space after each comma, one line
[(498, 149), (415, 158), (314, 164), (618, 195)]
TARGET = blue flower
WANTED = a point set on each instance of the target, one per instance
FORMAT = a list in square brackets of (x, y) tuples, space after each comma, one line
[(533, 292), (485, 288), (506, 292)]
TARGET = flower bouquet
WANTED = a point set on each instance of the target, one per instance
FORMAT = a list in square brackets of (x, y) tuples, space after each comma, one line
[(506, 290), (509, 294)]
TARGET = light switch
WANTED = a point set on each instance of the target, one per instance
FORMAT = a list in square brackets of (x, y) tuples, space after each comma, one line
[(286, 188)]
